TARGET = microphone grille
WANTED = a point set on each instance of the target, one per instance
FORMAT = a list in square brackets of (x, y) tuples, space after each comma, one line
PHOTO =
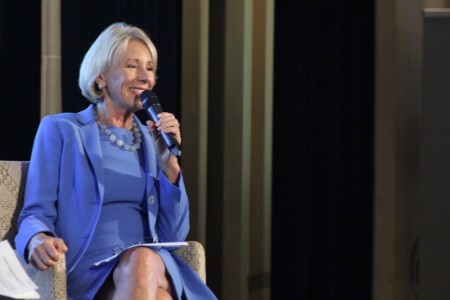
[(149, 98)]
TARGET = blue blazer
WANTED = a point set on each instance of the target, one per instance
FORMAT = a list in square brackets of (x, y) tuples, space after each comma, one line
[(65, 188)]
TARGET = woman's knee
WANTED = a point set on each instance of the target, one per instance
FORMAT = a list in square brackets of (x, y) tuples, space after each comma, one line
[(140, 262), (141, 270)]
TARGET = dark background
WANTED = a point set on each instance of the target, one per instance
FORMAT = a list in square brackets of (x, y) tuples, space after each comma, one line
[(323, 122), (20, 62), (323, 173)]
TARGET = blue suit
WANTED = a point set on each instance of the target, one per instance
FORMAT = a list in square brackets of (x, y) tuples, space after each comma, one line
[(65, 188)]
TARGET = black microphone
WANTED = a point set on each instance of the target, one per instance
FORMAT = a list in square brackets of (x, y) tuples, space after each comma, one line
[(151, 104)]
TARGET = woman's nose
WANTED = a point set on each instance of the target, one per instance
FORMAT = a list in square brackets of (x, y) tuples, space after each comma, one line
[(145, 75)]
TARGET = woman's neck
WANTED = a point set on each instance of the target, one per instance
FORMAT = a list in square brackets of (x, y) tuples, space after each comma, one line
[(114, 117)]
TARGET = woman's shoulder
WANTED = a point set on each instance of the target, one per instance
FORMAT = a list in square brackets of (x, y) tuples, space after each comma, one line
[(60, 116), (65, 122), (59, 119), (64, 117)]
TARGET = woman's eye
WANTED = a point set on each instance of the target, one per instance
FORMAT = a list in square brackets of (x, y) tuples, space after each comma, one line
[(132, 66)]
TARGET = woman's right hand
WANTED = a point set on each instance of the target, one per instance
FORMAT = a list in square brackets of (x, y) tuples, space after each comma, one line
[(44, 250)]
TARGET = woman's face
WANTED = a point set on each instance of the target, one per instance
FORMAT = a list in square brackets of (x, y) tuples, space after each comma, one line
[(126, 81)]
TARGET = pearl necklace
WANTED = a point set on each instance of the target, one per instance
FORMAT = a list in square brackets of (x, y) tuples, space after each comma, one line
[(118, 142)]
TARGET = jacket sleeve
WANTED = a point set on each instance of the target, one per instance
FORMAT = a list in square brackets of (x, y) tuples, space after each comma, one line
[(39, 211), (173, 217)]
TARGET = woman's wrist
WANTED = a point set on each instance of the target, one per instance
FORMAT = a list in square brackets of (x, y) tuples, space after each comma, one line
[(172, 172)]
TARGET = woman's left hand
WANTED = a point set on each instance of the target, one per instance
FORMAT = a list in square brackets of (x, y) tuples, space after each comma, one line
[(168, 124)]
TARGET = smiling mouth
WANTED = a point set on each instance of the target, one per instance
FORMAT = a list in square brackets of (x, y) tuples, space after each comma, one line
[(136, 91)]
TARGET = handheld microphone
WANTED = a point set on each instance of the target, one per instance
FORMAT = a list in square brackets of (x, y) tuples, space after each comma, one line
[(151, 105)]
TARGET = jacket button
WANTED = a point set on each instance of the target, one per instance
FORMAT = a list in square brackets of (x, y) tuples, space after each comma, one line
[(151, 199)]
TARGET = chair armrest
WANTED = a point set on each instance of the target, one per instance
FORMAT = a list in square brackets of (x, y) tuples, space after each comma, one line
[(194, 255), (52, 282)]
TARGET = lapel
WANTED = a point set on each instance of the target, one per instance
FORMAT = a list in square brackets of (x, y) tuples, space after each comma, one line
[(150, 155), (151, 171), (89, 134)]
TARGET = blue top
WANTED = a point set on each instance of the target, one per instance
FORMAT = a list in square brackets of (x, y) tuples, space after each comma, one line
[(123, 220)]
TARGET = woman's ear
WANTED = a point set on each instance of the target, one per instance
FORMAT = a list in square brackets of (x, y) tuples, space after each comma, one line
[(100, 83)]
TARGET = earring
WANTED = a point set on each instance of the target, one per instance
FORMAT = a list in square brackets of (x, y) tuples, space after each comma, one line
[(100, 86)]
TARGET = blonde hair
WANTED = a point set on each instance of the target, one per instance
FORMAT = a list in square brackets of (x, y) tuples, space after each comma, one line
[(107, 50)]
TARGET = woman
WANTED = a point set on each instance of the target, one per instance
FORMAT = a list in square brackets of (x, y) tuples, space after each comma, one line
[(100, 181)]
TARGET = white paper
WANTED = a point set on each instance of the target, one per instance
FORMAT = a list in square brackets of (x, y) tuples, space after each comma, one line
[(170, 244), (14, 281)]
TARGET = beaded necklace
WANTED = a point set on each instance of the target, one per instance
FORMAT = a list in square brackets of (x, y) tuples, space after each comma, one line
[(118, 142)]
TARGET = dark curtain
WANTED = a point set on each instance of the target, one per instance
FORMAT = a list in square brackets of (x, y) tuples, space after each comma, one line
[(20, 60), (323, 149), (82, 21)]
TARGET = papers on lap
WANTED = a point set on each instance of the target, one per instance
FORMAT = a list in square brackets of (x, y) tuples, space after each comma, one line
[(155, 245), (14, 281)]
